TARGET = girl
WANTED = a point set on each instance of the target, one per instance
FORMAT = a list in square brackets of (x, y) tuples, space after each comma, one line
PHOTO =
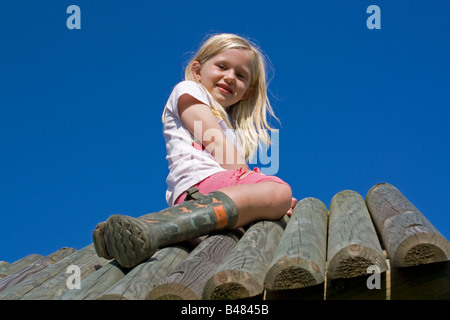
[(213, 123)]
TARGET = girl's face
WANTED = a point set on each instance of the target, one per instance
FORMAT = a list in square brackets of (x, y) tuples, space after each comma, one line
[(226, 76)]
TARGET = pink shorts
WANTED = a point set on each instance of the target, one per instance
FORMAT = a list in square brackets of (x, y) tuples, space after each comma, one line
[(228, 178)]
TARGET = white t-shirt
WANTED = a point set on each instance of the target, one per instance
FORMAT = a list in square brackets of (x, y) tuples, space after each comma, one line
[(188, 163)]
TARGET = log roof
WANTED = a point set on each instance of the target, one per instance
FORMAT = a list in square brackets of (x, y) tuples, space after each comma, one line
[(380, 247)]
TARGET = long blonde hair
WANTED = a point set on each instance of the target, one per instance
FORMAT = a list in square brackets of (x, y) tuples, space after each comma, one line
[(247, 117)]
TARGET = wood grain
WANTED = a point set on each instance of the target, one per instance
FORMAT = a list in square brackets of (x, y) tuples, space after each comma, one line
[(242, 273), (187, 280), (43, 281), (409, 238), (140, 281), (33, 268), (299, 260), (353, 244)]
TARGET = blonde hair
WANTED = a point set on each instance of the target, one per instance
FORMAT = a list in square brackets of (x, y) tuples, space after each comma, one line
[(247, 117)]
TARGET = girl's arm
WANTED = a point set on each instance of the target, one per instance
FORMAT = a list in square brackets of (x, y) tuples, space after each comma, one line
[(201, 122)]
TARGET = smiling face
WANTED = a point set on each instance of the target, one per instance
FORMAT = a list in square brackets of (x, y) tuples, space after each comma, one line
[(226, 76)]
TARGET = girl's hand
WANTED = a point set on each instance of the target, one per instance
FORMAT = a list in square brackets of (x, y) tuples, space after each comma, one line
[(293, 203)]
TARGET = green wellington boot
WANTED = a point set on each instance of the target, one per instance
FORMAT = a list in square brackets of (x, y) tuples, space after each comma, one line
[(133, 240)]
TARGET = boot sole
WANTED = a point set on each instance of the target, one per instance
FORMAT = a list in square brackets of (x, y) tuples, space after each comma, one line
[(99, 242), (128, 240)]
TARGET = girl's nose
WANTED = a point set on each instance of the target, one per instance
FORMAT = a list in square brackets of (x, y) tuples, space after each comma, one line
[(229, 76)]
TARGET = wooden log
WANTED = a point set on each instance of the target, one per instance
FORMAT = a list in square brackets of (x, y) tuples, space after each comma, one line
[(27, 286), (34, 268), (187, 280), (97, 283), (3, 264), (242, 273), (353, 245), (56, 286), (141, 280), (19, 264), (113, 282), (409, 238), (299, 260)]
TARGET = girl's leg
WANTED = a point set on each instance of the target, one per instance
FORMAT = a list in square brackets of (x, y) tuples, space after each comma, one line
[(132, 240), (257, 196), (266, 200)]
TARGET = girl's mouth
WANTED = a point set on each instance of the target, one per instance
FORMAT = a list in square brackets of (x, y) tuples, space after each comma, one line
[(224, 88)]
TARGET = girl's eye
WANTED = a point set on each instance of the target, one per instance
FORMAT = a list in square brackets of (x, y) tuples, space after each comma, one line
[(221, 67)]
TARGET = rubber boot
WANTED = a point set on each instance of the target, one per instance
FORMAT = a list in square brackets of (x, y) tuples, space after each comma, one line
[(133, 240)]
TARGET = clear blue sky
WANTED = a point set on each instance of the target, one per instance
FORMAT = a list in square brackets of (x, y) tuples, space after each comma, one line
[(80, 110)]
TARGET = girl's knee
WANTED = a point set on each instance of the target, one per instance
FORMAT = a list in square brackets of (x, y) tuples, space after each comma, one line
[(281, 196)]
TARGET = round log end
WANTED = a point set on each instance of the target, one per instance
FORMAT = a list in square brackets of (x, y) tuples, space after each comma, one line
[(354, 261), (172, 291), (231, 285), (421, 248)]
